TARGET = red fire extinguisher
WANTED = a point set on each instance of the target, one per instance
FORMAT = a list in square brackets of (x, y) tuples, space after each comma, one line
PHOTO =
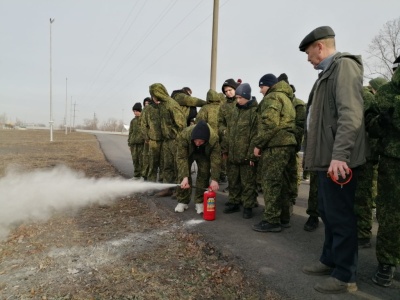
[(209, 204)]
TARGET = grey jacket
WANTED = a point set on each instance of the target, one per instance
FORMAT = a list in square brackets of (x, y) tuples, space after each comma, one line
[(335, 119)]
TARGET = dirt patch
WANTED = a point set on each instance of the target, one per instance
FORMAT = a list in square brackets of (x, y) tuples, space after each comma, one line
[(129, 249)]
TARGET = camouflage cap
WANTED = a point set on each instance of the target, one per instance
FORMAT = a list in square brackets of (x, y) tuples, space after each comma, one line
[(317, 34)]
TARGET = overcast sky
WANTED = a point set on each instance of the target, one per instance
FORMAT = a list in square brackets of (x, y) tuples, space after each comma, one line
[(112, 50)]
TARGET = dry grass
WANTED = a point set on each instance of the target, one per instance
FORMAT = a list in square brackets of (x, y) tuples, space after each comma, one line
[(127, 250)]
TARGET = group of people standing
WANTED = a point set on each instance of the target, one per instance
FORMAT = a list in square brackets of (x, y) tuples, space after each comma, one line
[(256, 145)]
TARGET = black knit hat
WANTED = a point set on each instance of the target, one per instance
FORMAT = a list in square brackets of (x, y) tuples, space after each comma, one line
[(147, 99), (231, 83), (137, 106), (187, 90), (268, 80), (283, 77), (396, 63), (244, 90), (317, 34), (201, 131)]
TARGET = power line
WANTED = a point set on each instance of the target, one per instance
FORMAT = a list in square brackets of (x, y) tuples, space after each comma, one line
[(139, 44), (100, 69)]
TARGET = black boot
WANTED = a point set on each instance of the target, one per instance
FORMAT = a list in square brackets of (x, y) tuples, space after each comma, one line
[(231, 208), (264, 226), (311, 224), (247, 213), (384, 275)]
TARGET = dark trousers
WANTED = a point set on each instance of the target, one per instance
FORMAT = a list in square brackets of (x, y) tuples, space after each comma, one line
[(336, 208)]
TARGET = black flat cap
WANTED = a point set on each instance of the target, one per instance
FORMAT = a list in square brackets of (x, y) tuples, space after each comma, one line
[(319, 33)]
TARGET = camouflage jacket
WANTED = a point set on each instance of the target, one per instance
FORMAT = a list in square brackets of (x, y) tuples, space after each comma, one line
[(224, 114), (186, 149), (209, 112), (369, 101), (387, 102), (135, 133), (188, 104), (300, 120), (241, 132), (172, 119), (276, 118), (150, 123)]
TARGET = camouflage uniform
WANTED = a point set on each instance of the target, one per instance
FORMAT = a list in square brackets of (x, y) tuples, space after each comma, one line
[(207, 157), (151, 130), (188, 104), (145, 152), (135, 142), (209, 112), (293, 169), (276, 139), (383, 122), (224, 114), (364, 201), (239, 138), (172, 122)]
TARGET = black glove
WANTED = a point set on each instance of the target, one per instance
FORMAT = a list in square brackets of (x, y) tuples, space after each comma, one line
[(386, 117)]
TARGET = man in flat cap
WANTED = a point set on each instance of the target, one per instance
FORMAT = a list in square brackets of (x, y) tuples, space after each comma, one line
[(335, 146)]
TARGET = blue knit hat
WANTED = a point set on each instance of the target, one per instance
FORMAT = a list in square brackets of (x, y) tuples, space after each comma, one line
[(244, 90), (268, 80)]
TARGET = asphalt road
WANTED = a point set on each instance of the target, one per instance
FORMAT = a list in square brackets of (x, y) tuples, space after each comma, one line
[(275, 258)]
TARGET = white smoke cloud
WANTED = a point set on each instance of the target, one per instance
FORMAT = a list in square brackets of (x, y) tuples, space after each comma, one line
[(36, 195)]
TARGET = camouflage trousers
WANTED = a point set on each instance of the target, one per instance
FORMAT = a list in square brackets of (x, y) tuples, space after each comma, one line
[(154, 159), (364, 203), (202, 180), (137, 159), (223, 172), (275, 181), (312, 203), (293, 174), (169, 161), (145, 161), (242, 185), (388, 211)]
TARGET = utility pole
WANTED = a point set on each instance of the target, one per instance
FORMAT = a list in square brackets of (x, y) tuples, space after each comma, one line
[(70, 117), (66, 104), (214, 46), (51, 91)]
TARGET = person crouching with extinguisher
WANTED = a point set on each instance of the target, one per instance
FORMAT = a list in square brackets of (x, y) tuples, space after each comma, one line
[(197, 143)]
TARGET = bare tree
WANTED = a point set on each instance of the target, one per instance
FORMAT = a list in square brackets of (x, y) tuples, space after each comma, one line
[(110, 125), (383, 50)]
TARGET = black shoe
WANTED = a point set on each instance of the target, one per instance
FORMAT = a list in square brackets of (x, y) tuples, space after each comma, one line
[(264, 226), (286, 224), (364, 243), (384, 275), (247, 213), (231, 208), (311, 224)]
